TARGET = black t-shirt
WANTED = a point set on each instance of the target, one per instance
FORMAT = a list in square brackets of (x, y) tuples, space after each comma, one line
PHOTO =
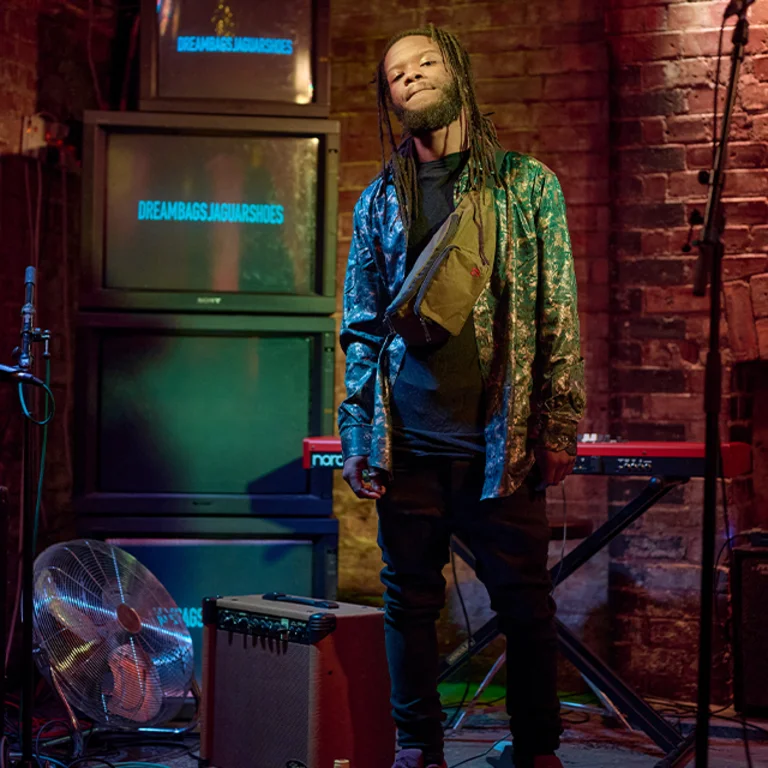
[(437, 401)]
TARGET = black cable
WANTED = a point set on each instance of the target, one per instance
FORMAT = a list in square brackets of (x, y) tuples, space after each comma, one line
[(482, 754), (91, 760), (42, 729), (470, 640), (717, 87)]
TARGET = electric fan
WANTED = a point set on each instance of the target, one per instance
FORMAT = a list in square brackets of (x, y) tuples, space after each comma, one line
[(110, 637)]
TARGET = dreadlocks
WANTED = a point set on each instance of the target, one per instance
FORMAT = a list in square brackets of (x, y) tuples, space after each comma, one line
[(480, 131)]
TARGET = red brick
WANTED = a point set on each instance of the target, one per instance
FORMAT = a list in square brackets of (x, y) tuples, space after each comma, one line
[(502, 40), (759, 239), (586, 191), (347, 200), (510, 89), (512, 116), (653, 130), (568, 112), (582, 85), (761, 328), (739, 267), (673, 299), (653, 76), (746, 211), (640, 48), (508, 14), (353, 26), (688, 16), (686, 184), (579, 138), (655, 187), (651, 159), (628, 20), (686, 129), (568, 58), (700, 43), (557, 34), (575, 166), (758, 286), (741, 322), (690, 72), (344, 48), (675, 407), (758, 14), (754, 96), (702, 101), (511, 64), (740, 155), (654, 243), (760, 67), (742, 183), (360, 149), (462, 17)]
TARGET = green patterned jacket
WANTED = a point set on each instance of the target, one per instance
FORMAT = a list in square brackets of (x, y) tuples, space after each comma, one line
[(526, 325)]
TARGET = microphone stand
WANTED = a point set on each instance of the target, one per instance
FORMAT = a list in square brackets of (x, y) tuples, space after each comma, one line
[(25, 358), (709, 266)]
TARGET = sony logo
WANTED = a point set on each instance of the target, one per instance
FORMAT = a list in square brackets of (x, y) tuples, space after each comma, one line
[(209, 299)]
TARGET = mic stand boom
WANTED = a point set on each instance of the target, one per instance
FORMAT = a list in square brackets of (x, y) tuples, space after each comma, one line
[(709, 265)]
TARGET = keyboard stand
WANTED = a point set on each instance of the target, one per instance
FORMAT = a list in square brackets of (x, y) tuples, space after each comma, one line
[(638, 712)]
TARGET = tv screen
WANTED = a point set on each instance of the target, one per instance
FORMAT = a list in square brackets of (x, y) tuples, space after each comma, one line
[(207, 417), (213, 215), (193, 569), (265, 58)]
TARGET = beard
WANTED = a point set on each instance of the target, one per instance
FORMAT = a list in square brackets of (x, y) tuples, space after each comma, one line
[(435, 116)]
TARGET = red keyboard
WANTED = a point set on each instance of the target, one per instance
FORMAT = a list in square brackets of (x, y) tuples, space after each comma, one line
[(665, 459)]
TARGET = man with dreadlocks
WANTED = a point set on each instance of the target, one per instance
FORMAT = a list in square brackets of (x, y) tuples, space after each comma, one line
[(461, 435)]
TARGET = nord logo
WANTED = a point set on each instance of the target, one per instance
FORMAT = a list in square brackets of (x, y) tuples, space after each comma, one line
[(327, 460), (209, 299)]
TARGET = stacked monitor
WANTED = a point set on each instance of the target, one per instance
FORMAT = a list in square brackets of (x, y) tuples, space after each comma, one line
[(205, 342), (236, 57)]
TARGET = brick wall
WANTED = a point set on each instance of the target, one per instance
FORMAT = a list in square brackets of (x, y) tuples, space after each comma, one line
[(543, 73), (616, 98), (43, 68), (663, 66)]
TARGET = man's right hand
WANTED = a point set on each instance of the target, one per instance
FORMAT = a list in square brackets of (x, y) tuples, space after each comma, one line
[(365, 483)]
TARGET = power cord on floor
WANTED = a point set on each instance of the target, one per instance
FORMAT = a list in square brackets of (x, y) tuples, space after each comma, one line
[(481, 754)]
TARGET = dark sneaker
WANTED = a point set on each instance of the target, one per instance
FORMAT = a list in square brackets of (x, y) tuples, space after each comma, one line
[(541, 761), (414, 758)]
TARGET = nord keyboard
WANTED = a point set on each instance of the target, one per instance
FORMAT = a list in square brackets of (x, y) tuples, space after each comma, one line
[(664, 459)]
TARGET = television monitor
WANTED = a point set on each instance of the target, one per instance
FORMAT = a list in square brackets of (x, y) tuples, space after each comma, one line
[(236, 57), (203, 213), (201, 415), (200, 558)]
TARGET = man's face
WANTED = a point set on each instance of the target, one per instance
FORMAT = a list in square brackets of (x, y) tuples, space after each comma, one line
[(423, 92)]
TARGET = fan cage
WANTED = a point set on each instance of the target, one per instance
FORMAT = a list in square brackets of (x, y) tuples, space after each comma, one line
[(111, 635)]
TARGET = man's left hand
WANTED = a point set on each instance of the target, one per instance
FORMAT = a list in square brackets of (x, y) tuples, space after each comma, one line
[(555, 466)]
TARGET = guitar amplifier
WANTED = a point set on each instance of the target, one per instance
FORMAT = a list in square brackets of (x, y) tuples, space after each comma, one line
[(294, 682), (749, 589)]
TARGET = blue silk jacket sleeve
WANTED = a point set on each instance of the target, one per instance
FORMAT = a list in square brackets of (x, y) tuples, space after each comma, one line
[(563, 396), (362, 335)]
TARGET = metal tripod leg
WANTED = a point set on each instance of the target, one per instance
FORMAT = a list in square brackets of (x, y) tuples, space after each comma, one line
[(497, 665)]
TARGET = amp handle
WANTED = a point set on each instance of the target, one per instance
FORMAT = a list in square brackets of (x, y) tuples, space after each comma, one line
[(281, 597)]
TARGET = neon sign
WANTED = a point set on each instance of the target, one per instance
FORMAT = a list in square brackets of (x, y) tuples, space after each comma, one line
[(231, 44), (237, 213)]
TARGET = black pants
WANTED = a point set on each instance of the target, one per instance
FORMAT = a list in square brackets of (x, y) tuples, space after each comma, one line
[(425, 503)]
